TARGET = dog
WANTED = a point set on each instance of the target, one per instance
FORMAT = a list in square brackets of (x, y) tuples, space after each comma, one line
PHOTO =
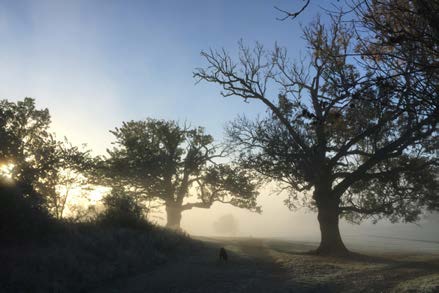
[(223, 254)]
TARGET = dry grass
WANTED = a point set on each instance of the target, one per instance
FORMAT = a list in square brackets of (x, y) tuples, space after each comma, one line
[(378, 272), (85, 256), (427, 284), (87, 259)]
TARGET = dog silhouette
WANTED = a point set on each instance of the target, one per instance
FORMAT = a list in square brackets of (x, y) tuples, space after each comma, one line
[(223, 254)]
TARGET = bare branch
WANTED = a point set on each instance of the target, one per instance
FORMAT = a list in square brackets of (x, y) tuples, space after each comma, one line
[(292, 15)]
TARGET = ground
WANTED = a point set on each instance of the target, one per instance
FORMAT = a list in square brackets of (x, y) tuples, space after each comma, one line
[(268, 265)]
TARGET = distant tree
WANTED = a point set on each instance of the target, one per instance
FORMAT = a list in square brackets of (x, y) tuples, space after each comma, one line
[(161, 160), (340, 140), (226, 224)]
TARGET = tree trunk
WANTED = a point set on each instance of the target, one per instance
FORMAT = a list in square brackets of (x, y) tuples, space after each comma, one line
[(173, 213), (331, 242)]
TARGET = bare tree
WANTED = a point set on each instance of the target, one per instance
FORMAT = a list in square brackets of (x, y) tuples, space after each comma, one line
[(340, 140)]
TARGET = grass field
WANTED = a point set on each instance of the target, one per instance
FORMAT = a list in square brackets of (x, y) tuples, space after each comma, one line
[(86, 259), (272, 265)]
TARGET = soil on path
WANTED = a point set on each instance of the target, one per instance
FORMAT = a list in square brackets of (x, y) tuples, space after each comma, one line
[(250, 268), (257, 265)]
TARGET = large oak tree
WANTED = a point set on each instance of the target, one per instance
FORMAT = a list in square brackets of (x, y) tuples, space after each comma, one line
[(176, 165), (345, 139)]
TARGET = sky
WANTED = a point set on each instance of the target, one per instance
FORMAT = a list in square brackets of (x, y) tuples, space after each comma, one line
[(96, 63)]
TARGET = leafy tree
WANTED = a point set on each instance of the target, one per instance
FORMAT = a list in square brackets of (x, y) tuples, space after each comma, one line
[(161, 160), (340, 140), (25, 147), (38, 160), (27, 153)]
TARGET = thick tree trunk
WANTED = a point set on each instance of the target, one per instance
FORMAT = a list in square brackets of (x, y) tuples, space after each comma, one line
[(331, 242), (173, 213)]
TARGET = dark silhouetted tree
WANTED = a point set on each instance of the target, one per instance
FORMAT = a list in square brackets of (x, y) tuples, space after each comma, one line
[(156, 159), (26, 132), (38, 162), (344, 139)]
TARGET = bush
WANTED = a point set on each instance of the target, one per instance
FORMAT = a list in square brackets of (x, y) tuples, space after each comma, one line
[(20, 218), (121, 210)]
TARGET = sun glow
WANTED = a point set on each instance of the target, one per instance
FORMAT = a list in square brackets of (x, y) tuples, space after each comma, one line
[(83, 197), (6, 171)]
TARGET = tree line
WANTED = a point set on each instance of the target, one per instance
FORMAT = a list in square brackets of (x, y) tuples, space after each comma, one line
[(151, 160)]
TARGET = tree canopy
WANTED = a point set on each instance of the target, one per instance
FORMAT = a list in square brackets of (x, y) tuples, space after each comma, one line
[(158, 159), (38, 161)]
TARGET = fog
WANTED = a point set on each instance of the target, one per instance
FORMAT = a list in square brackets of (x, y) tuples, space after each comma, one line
[(277, 221)]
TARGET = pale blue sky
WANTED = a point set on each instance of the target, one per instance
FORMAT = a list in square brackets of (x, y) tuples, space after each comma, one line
[(96, 63)]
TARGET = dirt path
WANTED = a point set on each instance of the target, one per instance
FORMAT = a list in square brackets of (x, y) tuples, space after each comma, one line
[(250, 269), (257, 265)]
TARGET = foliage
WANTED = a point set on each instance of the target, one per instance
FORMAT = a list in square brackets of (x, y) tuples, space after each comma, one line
[(40, 163), (157, 159), (28, 145), (121, 210)]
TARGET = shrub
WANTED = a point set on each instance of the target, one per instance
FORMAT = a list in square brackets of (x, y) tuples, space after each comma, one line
[(20, 218), (121, 210)]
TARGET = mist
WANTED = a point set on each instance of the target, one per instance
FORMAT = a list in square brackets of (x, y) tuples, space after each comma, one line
[(277, 221)]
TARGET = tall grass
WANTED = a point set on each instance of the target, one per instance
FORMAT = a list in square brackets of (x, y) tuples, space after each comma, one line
[(39, 254), (86, 256)]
